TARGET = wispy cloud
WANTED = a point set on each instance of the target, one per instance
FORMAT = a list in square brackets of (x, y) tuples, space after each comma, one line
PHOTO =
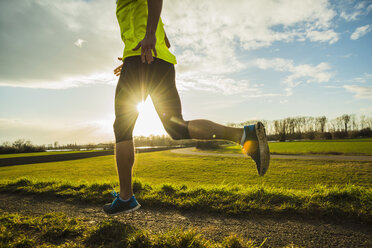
[(298, 73), (352, 13), (362, 92), (346, 56), (366, 111), (79, 42), (366, 77), (329, 36), (215, 84), (67, 82), (360, 31)]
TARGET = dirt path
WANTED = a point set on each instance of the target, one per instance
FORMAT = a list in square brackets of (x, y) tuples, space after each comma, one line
[(278, 231), (190, 151)]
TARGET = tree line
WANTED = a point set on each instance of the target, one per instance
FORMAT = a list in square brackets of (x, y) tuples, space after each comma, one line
[(308, 127), (291, 128), (26, 146)]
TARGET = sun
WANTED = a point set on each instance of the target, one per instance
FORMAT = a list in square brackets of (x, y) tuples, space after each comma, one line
[(140, 107), (148, 121)]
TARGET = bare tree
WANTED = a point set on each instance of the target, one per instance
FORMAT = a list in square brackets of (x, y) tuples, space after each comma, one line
[(362, 121), (346, 119), (353, 120), (321, 122)]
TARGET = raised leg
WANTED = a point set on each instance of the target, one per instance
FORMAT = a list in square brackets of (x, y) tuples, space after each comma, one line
[(208, 130)]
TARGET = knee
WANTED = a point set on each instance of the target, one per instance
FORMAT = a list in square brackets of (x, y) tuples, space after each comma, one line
[(177, 128), (122, 131)]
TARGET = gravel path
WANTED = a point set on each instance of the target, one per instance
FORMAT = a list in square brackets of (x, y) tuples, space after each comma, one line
[(279, 231), (190, 151)]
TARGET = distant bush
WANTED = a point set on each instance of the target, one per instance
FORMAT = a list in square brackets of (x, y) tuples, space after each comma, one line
[(20, 146), (365, 133), (339, 135), (310, 135), (209, 144), (326, 135)]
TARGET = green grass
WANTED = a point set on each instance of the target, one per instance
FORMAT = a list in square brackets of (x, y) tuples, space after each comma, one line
[(337, 201), (14, 155), (215, 184), (337, 147), (167, 167), (58, 230)]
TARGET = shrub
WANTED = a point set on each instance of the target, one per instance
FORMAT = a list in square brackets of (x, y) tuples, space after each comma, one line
[(326, 135), (208, 145), (365, 133)]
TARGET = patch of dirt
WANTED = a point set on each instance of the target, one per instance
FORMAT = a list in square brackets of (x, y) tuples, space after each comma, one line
[(279, 231)]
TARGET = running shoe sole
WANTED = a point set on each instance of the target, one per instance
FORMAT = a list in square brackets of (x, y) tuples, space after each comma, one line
[(264, 148)]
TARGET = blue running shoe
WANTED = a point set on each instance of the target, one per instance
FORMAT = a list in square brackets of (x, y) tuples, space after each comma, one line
[(119, 206), (254, 144)]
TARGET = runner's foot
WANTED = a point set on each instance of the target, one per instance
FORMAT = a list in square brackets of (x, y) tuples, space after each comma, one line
[(254, 143), (119, 206)]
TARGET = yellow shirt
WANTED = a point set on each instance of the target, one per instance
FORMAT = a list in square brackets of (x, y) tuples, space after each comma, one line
[(132, 18)]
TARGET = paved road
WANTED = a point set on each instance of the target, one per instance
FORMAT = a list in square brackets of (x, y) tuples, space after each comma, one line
[(190, 151)]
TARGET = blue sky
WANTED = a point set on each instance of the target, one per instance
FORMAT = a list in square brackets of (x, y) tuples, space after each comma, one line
[(237, 61)]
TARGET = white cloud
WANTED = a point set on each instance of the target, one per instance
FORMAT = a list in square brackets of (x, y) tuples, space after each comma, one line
[(298, 73), (360, 31), (67, 82), (366, 111), (332, 87), (366, 77), (202, 38), (217, 84), (323, 36), (352, 13), (346, 56), (79, 42), (205, 38), (41, 41), (362, 92), (206, 42)]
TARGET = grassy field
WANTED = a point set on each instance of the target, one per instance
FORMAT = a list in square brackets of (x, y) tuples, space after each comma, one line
[(215, 184), (167, 167), (337, 147)]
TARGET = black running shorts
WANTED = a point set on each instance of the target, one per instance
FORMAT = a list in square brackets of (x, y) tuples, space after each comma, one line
[(137, 81)]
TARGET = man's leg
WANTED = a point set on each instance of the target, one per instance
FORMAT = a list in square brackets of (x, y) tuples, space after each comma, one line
[(131, 90), (124, 153), (208, 130), (168, 106)]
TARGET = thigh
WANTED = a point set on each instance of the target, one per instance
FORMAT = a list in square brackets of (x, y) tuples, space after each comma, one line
[(130, 90), (132, 87), (164, 93)]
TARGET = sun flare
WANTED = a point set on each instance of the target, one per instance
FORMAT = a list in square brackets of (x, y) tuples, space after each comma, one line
[(148, 121)]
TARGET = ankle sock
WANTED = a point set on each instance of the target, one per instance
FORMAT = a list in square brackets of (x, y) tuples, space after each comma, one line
[(121, 199)]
